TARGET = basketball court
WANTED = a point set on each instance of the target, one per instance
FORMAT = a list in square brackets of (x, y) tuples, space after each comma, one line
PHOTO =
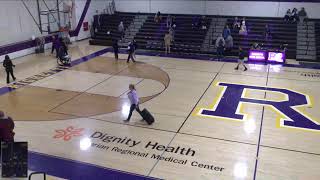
[(212, 122)]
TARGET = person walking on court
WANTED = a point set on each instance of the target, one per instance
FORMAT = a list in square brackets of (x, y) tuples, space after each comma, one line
[(220, 43), (8, 65), (130, 52), (115, 48), (134, 100), (167, 42), (241, 59)]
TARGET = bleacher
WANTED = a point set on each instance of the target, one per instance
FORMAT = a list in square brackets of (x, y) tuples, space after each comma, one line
[(281, 33), (109, 23), (317, 29), (188, 40)]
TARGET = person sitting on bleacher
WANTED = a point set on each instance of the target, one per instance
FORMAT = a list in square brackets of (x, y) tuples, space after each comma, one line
[(174, 23), (6, 128), (294, 15), (243, 29), (236, 24), (302, 15), (157, 17), (287, 17)]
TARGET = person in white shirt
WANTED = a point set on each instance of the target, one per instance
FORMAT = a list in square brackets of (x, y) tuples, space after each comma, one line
[(134, 100)]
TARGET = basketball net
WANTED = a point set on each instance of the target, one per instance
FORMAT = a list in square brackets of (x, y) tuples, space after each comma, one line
[(68, 7)]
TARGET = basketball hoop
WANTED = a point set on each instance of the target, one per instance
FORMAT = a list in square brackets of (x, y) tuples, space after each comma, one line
[(68, 6)]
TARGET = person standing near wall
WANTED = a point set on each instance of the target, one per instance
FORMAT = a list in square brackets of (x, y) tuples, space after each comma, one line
[(8, 65), (167, 42)]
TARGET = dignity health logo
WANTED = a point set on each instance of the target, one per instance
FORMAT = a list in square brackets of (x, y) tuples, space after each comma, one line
[(68, 133)]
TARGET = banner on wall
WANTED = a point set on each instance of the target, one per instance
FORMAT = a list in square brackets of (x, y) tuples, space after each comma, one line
[(85, 26)]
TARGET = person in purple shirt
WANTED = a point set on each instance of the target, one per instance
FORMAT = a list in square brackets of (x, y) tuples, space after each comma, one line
[(134, 100)]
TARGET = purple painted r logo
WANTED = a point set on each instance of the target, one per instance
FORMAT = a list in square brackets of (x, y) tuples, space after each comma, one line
[(232, 97)]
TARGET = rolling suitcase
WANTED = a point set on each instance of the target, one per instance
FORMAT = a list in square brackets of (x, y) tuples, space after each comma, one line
[(147, 116)]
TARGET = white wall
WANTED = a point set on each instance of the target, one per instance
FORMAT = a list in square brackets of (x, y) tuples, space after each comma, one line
[(16, 24), (232, 8), (95, 6)]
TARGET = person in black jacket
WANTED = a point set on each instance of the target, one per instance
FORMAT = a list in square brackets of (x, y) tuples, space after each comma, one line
[(241, 59), (130, 51), (115, 48), (8, 65)]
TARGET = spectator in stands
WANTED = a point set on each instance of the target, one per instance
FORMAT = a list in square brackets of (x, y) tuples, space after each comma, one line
[(130, 52), (203, 22), (115, 48), (169, 21), (157, 17), (243, 29), (121, 29), (196, 22), (174, 23), (8, 65), (55, 45), (294, 15), (302, 15), (267, 31), (6, 128), (229, 44), (243, 21), (241, 59), (220, 44), (287, 17), (167, 42), (236, 24), (226, 32), (256, 45)]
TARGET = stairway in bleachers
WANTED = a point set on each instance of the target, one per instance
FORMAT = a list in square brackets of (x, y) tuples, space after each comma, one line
[(109, 28), (186, 39), (215, 29), (306, 43), (133, 29)]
